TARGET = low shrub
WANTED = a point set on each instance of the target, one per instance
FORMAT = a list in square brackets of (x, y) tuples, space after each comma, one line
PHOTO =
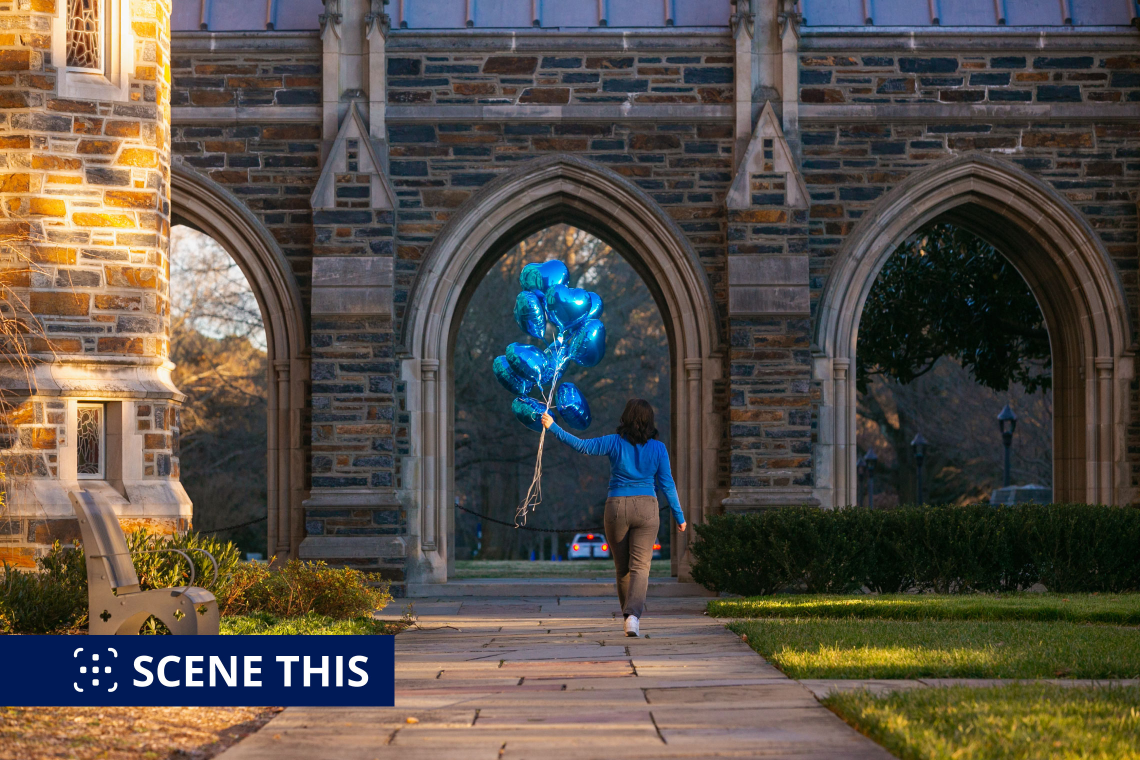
[(299, 588), (50, 601), (54, 600), (1065, 547)]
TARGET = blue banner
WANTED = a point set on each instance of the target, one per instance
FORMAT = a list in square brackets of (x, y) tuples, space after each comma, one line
[(199, 671)]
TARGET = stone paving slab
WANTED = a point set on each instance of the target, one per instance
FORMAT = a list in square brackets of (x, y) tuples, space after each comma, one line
[(512, 678)]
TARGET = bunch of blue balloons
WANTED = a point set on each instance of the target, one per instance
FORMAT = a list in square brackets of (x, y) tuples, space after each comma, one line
[(578, 335)]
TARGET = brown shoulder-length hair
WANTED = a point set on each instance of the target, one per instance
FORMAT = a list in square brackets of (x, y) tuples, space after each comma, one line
[(636, 425)]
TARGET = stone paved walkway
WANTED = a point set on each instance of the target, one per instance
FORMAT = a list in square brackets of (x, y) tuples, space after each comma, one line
[(553, 678)]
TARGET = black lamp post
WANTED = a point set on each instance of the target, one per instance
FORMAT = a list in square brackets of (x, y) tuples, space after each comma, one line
[(1007, 416), (869, 461), (918, 445)]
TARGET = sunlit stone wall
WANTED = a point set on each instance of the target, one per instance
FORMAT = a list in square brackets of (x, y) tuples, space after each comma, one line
[(84, 225)]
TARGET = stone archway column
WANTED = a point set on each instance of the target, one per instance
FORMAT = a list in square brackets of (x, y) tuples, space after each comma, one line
[(432, 493)]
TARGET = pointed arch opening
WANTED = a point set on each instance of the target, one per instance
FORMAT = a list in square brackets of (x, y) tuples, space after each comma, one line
[(202, 204), (554, 190), (1067, 269)]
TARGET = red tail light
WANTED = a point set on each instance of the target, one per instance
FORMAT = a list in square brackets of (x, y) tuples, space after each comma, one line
[(605, 547), (589, 536), (576, 547), (657, 547)]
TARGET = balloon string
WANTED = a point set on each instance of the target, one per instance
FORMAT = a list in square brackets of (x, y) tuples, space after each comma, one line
[(534, 493)]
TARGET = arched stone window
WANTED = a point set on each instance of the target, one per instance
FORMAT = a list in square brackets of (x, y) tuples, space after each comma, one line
[(86, 33), (93, 49)]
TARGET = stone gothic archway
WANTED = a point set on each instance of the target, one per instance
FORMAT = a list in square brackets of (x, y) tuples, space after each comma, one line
[(206, 206), (536, 195), (1067, 269)]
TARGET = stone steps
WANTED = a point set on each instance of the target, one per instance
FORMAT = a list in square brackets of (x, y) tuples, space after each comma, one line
[(549, 587)]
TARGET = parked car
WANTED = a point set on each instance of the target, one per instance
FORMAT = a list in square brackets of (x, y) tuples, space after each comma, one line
[(589, 546), (594, 546)]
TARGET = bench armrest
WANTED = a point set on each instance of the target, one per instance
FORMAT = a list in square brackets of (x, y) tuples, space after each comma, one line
[(213, 562), (185, 556)]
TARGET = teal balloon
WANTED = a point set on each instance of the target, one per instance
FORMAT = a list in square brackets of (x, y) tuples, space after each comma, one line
[(542, 277), (505, 375), (526, 361), (567, 307), (528, 278), (528, 411), (572, 406), (588, 345), (595, 306), (530, 314)]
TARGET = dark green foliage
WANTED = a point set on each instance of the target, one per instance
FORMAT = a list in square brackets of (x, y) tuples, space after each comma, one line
[(53, 600), (945, 292), (1065, 547)]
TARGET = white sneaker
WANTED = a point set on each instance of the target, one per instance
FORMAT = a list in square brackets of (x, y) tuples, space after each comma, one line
[(631, 627)]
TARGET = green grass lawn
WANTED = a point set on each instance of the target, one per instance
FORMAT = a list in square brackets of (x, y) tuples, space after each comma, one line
[(1014, 722), (582, 568), (943, 649), (262, 623), (1123, 609)]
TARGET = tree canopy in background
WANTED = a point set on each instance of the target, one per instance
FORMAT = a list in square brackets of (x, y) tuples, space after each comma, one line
[(218, 347), (946, 292), (949, 335), (494, 454)]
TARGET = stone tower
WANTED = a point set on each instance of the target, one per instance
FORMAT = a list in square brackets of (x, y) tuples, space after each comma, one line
[(85, 88)]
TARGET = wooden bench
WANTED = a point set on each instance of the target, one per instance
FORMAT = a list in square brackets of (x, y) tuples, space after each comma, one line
[(116, 604)]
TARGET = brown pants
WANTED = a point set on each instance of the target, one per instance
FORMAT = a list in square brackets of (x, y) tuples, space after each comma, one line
[(631, 530)]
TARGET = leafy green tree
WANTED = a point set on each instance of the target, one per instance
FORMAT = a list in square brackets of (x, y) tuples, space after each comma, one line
[(945, 292)]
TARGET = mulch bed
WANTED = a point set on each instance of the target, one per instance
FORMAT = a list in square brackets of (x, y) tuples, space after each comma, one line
[(125, 733)]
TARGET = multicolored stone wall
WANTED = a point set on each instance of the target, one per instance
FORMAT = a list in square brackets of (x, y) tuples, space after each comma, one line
[(84, 225), (560, 78), (85, 193)]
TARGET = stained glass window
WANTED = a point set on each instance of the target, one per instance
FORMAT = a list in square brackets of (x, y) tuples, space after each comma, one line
[(84, 35), (89, 441)]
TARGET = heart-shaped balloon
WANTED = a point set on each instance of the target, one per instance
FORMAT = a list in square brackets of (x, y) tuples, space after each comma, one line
[(505, 375), (595, 306), (588, 345), (567, 307), (528, 411), (530, 314), (526, 361), (542, 277), (572, 406)]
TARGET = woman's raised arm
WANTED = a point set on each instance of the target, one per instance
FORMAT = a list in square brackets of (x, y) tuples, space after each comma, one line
[(593, 446)]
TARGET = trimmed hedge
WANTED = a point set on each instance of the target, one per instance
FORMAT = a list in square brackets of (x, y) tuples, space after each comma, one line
[(1065, 547)]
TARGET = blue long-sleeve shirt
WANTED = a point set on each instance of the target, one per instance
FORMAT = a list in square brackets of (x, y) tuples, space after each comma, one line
[(634, 470)]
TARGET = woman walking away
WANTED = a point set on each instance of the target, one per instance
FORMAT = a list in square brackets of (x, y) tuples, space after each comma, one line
[(639, 465)]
